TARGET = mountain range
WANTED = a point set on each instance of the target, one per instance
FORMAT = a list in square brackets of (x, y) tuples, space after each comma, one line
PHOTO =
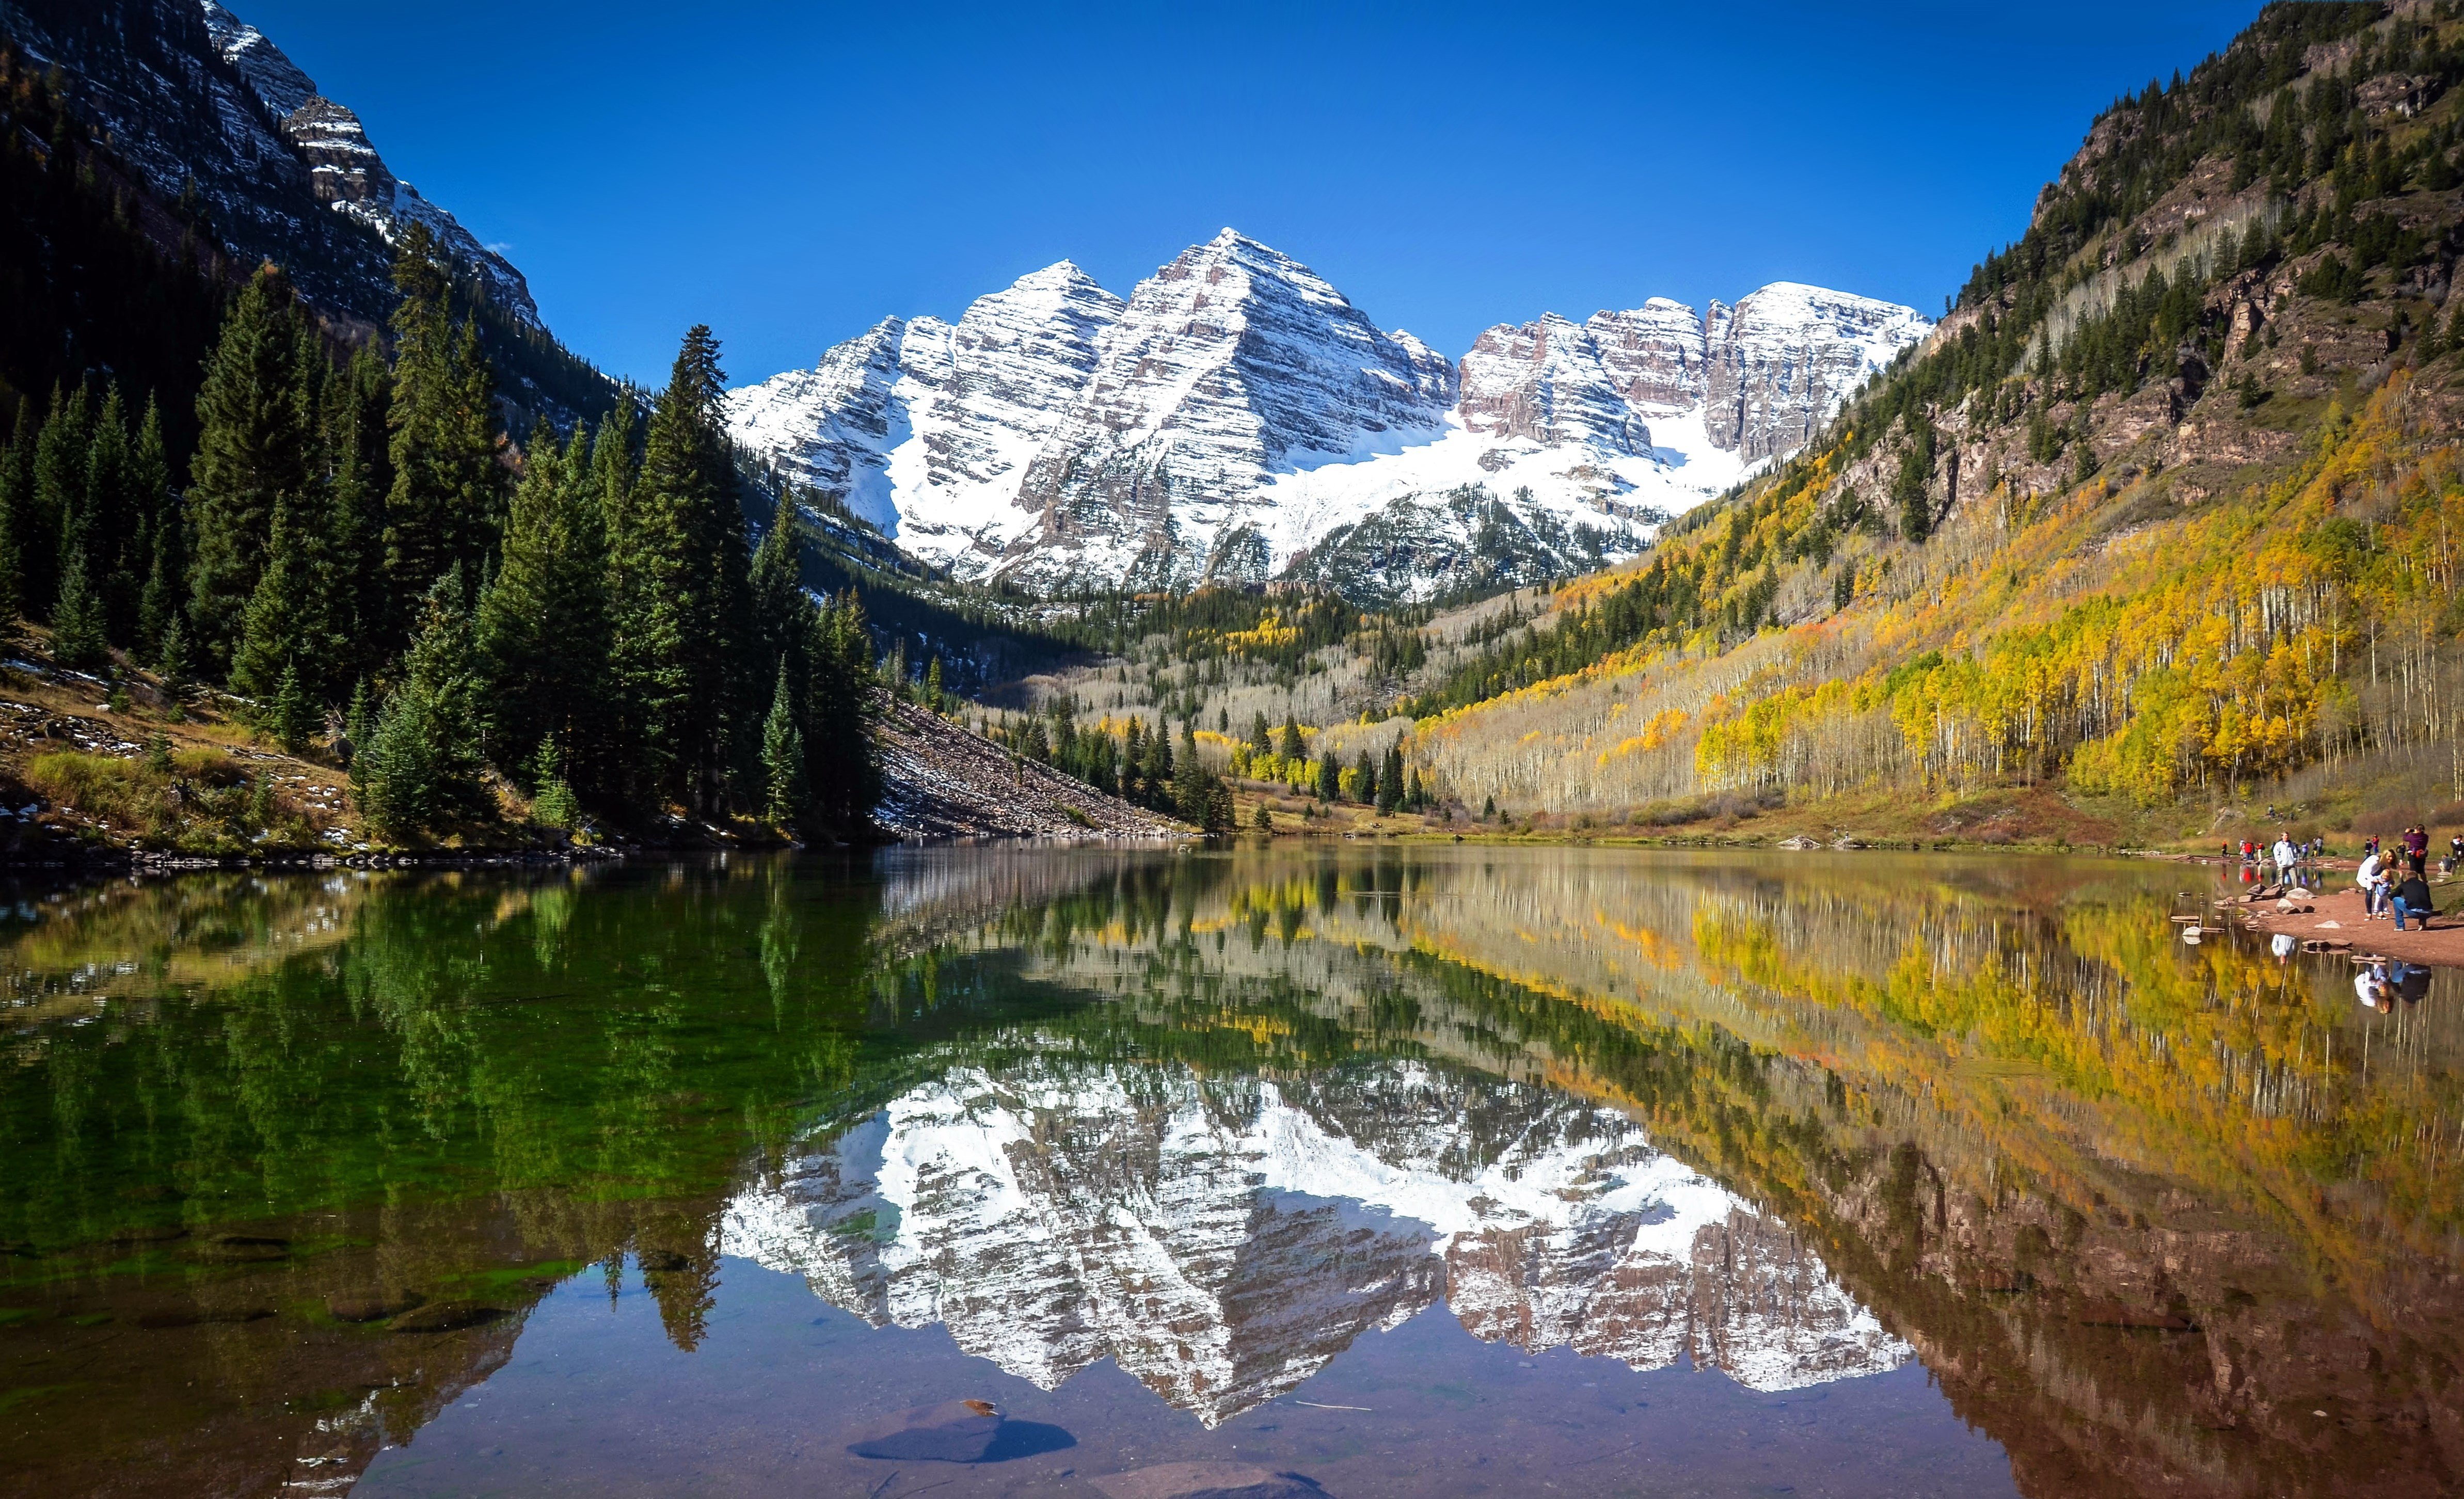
[(1237, 418)]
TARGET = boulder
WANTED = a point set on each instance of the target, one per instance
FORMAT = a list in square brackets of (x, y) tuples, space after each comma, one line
[(953, 1431), (1207, 1481), (1800, 842)]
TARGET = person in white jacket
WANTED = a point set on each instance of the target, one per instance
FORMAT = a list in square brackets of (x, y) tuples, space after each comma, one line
[(2287, 859), (2373, 879)]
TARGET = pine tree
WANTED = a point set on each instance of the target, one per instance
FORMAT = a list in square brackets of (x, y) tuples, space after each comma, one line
[(286, 624), (1294, 747), (421, 765), (783, 756), (683, 625), (17, 502), (542, 627), (1261, 738), (842, 762), (109, 530), (1367, 770), (1330, 778), (78, 640), (175, 665), (358, 727), (552, 804), (252, 451), (151, 484), (294, 718), (58, 498), (1189, 783), (351, 580), (443, 506), (1390, 780)]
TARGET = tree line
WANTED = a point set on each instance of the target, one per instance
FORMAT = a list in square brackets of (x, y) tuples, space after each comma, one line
[(362, 558)]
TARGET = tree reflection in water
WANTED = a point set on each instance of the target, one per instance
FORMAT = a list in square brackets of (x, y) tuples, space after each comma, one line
[(287, 1161)]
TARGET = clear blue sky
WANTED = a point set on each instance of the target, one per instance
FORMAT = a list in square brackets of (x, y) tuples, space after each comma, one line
[(790, 173)]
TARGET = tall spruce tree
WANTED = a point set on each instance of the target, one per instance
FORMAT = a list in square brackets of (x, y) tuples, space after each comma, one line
[(150, 486), (782, 754), (842, 768), (253, 450), (445, 500), (421, 766), (681, 619), (61, 453), (285, 633), (16, 499), (356, 478), (542, 627), (113, 518)]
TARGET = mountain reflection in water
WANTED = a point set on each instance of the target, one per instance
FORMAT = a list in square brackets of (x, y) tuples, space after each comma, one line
[(1222, 1241), (294, 1170)]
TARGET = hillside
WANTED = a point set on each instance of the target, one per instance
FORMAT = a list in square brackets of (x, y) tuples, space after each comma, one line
[(2158, 524)]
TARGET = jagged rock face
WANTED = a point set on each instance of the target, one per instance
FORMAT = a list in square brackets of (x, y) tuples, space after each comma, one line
[(1547, 382), (189, 91), (1228, 363), (949, 416), (1221, 1239), (1237, 418), (1762, 375), (1785, 357)]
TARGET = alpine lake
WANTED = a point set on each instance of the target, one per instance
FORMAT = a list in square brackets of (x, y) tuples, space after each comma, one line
[(1412, 1170)]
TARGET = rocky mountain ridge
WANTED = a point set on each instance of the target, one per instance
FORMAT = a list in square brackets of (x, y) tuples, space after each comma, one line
[(1221, 1239), (210, 112), (1237, 418)]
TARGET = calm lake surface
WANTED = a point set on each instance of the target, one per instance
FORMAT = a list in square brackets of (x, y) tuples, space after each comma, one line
[(1418, 1171)]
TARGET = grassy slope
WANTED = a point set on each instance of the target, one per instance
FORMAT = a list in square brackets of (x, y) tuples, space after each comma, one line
[(2277, 572)]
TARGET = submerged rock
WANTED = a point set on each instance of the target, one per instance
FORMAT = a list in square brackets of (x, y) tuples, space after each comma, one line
[(1207, 1481), (375, 1307), (953, 1431), (445, 1316)]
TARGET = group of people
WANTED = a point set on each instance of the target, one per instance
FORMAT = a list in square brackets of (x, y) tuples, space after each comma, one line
[(2289, 858), (2396, 881)]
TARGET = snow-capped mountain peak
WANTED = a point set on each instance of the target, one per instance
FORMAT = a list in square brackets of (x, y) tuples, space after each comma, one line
[(1237, 418)]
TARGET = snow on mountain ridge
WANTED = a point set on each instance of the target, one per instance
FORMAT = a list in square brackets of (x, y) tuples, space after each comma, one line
[(1223, 1241), (345, 171), (1237, 418)]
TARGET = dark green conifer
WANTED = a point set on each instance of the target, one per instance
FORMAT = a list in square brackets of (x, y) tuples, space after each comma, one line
[(253, 449), (542, 627), (783, 756), (295, 718), (420, 768), (17, 502), (682, 625), (284, 625), (61, 453), (443, 506)]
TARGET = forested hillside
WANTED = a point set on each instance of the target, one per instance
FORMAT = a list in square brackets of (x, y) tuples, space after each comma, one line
[(2166, 511)]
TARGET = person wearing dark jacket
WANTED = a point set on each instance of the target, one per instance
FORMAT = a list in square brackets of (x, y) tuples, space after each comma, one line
[(2412, 899)]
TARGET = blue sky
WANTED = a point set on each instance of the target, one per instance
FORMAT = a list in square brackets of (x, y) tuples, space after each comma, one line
[(791, 173)]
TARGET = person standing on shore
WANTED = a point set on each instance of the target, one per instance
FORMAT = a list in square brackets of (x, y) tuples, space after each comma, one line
[(2416, 848), (2288, 859), (2372, 877)]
